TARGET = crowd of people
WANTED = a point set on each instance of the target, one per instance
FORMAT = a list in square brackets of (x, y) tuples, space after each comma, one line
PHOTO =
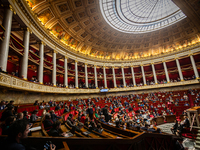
[(136, 112)]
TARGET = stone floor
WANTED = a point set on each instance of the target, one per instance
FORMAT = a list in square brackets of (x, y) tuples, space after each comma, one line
[(189, 143)]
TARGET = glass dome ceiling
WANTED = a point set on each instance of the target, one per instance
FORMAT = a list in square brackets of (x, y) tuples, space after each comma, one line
[(140, 16)]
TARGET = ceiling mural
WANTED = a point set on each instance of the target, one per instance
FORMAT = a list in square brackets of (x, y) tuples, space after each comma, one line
[(79, 24)]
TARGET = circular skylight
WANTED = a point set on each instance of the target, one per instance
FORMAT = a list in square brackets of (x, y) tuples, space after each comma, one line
[(140, 16)]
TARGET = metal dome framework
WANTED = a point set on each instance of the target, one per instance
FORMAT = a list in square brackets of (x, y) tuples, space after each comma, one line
[(140, 16)]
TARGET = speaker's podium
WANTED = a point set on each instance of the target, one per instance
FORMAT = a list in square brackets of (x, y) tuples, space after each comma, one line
[(193, 116)]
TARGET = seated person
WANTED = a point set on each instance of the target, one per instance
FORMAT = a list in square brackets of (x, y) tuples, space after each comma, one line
[(102, 119), (70, 120), (117, 124), (99, 128), (20, 116), (48, 123), (186, 104), (34, 116), (92, 126), (186, 122), (77, 128), (8, 122), (18, 130), (2, 105), (26, 115), (7, 113), (56, 130), (54, 117)]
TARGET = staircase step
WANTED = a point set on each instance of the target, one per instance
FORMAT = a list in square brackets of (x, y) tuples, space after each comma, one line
[(198, 138), (197, 147), (197, 143)]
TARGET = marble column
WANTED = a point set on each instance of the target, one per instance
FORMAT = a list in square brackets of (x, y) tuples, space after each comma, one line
[(66, 73), (133, 76), (104, 76), (54, 69), (114, 78), (41, 65), (143, 75), (166, 72), (76, 74), (154, 73), (26, 39), (95, 76), (123, 75), (179, 69), (194, 67), (4, 45), (86, 76)]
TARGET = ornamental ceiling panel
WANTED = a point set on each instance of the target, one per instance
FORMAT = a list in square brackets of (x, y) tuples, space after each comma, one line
[(80, 24)]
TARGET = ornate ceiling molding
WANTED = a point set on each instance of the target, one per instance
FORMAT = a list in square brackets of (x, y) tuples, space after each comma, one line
[(32, 21)]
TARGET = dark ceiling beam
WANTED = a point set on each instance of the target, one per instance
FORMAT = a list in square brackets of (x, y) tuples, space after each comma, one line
[(16, 29), (189, 11), (33, 43)]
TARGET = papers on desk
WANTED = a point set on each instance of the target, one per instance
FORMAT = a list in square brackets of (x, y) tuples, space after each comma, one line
[(86, 132), (35, 128), (69, 134), (111, 124)]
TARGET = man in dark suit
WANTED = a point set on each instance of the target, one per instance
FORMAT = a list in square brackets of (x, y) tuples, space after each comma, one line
[(179, 129), (90, 112), (173, 129), (105, 113)]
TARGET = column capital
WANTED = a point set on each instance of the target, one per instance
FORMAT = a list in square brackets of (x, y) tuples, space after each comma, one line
[(113, 66), (131, 66), (66, 57), (152, 63), (176, 58), (95, 65), (190, 54), (42, 42), (29, 30), (163, 61), (86, 63), (141, 64), (54, 51), (11, 8), (104, 66), (76, 61), (122, 66)]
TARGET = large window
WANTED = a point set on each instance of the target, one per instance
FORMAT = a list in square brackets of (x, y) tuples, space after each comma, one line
[(140, 16)]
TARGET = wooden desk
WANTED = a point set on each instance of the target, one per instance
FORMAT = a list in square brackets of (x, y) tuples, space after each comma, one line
[(195, 110), (170, 118), (159, 120)]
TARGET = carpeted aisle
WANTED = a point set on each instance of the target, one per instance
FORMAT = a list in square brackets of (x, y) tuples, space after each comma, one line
[(190, 143)]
